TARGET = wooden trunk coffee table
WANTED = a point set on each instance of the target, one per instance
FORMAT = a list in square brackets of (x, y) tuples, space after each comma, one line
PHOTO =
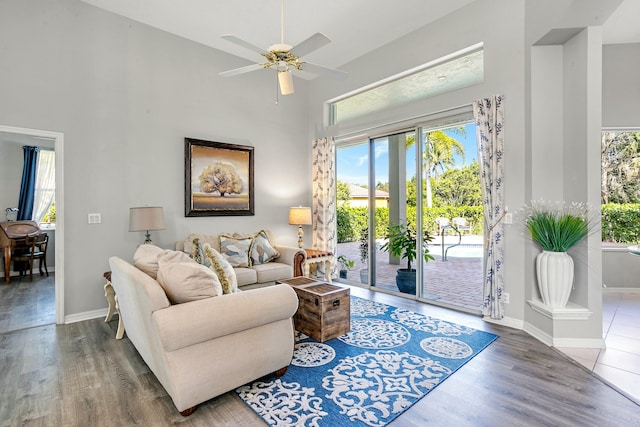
[(324, 309)]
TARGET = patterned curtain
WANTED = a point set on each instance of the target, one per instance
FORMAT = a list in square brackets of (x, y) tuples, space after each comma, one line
[(489, 117), (28, 183), (324, 195)]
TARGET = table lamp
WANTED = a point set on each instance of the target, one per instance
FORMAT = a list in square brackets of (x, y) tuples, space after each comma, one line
[(146, 219), (300, 216)]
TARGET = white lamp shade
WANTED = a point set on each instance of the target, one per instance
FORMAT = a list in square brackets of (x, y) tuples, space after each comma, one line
[(300, 216), (146, 218), (285, 78)]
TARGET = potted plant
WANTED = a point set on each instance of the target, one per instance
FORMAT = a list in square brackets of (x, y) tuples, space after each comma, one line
[(402, 243), (364, 255), (556, 228), (345, 266)]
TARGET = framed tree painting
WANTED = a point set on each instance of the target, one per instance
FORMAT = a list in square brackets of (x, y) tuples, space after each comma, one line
[(218, 178)]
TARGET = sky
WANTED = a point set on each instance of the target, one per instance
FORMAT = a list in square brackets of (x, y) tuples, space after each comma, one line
[(352, 161)]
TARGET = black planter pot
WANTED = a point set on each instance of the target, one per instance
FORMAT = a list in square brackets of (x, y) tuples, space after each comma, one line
[(406, 280), (343, 274)]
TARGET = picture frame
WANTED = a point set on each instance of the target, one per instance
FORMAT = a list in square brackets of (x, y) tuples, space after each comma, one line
[(218, 178)]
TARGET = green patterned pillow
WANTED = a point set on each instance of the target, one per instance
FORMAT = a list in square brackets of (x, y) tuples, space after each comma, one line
[(262, 251), (198, 253), (223, 270), (235, 250)]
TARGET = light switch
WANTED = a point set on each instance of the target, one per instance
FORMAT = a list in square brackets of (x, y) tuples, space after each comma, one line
[(95, 218), (508, 218)]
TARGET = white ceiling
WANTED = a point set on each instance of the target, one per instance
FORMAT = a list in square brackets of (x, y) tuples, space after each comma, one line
[(355, 27)]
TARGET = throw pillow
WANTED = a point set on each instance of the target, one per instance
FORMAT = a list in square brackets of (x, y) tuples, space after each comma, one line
[(203, 238), (223, 270), (146, 259), (198, 253), (262, 251), (235, 250), (184, 280)]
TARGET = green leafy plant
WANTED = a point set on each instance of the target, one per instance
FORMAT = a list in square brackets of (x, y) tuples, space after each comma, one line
[(557, 227), (403, 241), (345, 264)]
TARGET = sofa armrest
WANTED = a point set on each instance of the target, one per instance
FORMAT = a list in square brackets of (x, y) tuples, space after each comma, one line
[(182, 325), (292, 256)]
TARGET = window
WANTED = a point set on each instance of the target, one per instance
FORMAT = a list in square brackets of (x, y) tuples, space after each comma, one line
[(460, 69), (45, 191)]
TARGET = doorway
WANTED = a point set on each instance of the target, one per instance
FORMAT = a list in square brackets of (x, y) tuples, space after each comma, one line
[(26, 135), (378, 180)]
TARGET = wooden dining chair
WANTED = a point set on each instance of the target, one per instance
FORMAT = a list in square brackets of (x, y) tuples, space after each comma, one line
[(35, 248)]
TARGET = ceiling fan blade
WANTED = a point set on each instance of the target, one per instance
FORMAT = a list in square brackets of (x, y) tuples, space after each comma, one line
[(325, 71), (307, 46), (241, 70), (245, 44)]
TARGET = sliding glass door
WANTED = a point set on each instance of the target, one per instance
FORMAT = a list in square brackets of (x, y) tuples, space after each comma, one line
[(407, 193)]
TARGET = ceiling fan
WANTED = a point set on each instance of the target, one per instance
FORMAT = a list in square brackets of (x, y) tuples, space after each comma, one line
[(283, 58)]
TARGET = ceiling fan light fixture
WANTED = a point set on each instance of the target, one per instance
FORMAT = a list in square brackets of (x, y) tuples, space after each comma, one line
[(285, 79)]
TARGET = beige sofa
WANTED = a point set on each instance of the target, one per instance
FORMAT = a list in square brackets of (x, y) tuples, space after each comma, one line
[(289, 264), (203, 348)]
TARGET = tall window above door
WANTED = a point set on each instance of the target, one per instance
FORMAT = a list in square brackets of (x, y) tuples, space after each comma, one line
[(450, 72)]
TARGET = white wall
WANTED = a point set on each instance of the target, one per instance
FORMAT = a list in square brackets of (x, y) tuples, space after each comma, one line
[(621, 85), (11, 159), (497, 23), (125, 96)]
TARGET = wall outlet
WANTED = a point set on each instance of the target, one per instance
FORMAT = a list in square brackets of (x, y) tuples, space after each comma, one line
[(505, 297), (95, 218)]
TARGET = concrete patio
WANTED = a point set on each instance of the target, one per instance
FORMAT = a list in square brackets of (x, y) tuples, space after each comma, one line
[(454, 282)]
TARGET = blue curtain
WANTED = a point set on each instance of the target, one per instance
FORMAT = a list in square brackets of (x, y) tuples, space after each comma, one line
[(28, 184)]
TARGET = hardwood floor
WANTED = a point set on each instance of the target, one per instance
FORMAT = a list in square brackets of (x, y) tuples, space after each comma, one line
[(79, 375), (25, 304)]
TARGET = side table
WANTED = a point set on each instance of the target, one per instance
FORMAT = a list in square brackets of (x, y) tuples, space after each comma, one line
[(112, 299), (315, 256)]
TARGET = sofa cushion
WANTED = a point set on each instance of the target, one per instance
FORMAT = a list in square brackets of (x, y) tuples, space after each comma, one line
[(223, 270), (236, 250), (245, 276), (185, 280), (146, 259), (262, 250), (273, 271)]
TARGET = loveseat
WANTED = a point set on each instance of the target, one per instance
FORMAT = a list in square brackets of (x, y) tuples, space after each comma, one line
[(250, 273), (208, 346)]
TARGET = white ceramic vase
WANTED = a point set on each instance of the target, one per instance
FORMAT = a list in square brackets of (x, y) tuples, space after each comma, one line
[(555, 277)]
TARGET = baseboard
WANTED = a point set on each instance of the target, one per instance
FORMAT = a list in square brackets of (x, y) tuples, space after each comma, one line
[(13, 273), (538, 334), (510, 322), (608, 290), (86, 315), (563, 342), (579, 343)]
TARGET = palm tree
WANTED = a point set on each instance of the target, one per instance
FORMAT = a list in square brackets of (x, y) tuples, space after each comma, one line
[(438, 155)]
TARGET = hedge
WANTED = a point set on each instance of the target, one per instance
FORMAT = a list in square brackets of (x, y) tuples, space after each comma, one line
[(620, 222), (352, 220)]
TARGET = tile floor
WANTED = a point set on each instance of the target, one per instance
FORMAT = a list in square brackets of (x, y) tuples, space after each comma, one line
[(619, 363)]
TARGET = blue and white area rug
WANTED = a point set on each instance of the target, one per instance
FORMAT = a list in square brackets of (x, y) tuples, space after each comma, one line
[(390, 359)]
